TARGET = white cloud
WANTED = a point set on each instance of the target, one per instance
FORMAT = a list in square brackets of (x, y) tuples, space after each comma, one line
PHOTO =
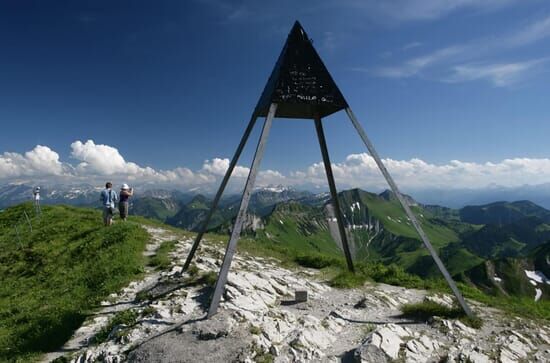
[(530, 34), (98, 163), (329, 41), (406, 10), (448, 59), (99, 159), (500, 74), (40, 161), (411, 45), (387, 11), (219, 166), (360, 170), (271, 177), (416, 65)]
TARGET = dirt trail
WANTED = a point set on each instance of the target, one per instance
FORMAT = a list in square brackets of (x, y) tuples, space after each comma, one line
[(124, 300)]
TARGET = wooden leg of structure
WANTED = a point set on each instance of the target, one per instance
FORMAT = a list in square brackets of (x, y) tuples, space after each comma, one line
[(409, 213), (333, 192), (236, 232)]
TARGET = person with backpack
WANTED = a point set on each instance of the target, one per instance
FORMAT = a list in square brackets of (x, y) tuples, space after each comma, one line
[(125, 193), (108, 200)]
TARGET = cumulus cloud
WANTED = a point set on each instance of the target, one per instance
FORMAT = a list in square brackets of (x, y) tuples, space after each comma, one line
[(100, 159), (40, 161), (219, 166), (360, 170), (97, 163)]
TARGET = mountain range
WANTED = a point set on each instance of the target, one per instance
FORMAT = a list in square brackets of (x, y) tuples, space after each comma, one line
[(491, 245)]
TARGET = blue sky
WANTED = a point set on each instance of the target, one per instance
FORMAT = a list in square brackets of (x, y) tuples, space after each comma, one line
[(161, 87)]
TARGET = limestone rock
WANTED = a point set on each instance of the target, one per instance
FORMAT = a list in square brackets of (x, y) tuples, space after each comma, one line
[(369, 353), (388, 339), (216, 327)]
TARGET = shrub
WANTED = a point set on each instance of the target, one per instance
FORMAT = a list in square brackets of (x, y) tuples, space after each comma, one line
[(126, 317), (161, 259), (317, 261), (346, 279), (427, 309)]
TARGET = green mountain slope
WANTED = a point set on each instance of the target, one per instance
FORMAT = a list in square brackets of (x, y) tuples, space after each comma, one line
[(508, 240), (156, 208), (507, 276), (395, 239), (377, 228), (51, 277), (191, 216), (503, 212), (299, 227)]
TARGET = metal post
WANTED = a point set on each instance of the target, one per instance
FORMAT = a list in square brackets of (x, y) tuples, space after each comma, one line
[(409, 213), (37, 209), (235, 234), (220, 190), (333, 192)]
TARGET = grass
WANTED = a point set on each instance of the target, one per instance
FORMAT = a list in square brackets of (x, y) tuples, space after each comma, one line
[(427, 309), (208, 278), (125, 317), (255, 330), (55, 275), (390, 274), (296, 226), (162, 259), (317, 261)]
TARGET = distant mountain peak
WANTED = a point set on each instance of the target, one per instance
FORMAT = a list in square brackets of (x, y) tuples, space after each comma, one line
[(275, 189), (199, 198), (389, 196)]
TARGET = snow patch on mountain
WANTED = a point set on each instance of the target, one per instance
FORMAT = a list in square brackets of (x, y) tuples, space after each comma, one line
[(537, 277)]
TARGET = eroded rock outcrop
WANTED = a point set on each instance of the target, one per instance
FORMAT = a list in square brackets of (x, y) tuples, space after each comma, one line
[(260, 321)]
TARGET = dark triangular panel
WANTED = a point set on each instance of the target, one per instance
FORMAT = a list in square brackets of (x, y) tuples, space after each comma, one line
[(300, 83)]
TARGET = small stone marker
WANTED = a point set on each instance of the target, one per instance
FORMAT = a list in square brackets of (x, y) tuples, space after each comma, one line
[(300, 295)]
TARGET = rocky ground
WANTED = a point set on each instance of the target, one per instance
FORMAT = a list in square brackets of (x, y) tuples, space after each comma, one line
[(259, 320)]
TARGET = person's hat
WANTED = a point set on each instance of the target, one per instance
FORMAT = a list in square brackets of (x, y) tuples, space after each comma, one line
[(125, 186)]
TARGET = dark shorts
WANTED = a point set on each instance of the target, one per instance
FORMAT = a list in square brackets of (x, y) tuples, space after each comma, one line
[(123, 208), (107, 213)]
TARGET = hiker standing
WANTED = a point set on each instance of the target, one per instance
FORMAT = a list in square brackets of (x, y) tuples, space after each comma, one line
[(125, 193), (36, 193), (108, 199)]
